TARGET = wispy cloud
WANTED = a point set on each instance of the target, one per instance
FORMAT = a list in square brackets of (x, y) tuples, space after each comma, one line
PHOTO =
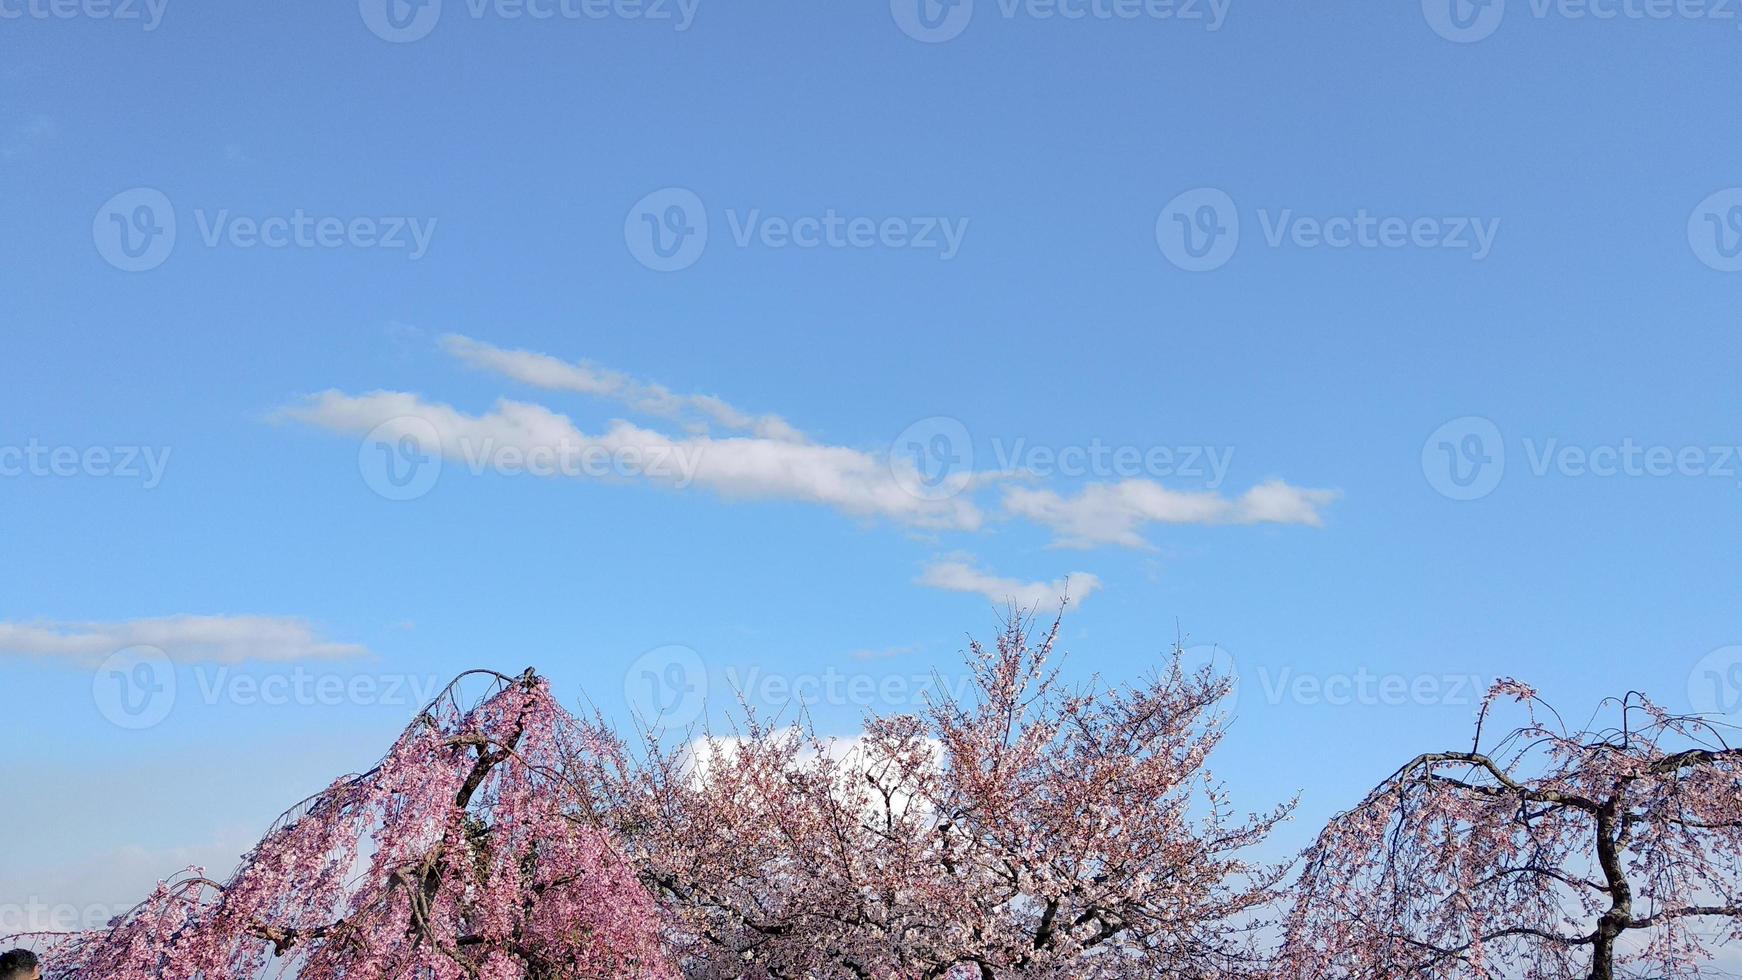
[(962, 575), (1117, 513), (765, 457), (185, 639), (555, 374), (746, 467)]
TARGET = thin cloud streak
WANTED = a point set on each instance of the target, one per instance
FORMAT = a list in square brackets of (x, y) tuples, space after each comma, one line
[(960, 575), (1117, 513), (742, 467), (771, 460), (184, 639), (555, 374)]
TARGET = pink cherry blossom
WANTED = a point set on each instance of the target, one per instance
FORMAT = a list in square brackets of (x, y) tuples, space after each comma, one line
[(1026, 830), (1555, 852), (462, 856)]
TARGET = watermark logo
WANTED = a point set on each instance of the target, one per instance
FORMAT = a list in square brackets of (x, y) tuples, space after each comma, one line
[(1715, 685), (933, 459), (932, 21), (1463, 21), (1338, 689), (1468, 21), (1465, 458), (1715, 230), (134, 231), (400, 21), (401, 459), (935, 21), (135, 688), (667, 230), (779, 690), (403, 21), (1199, 229), (1364, 688), (1107, 461), (667, 687), (833, 230)]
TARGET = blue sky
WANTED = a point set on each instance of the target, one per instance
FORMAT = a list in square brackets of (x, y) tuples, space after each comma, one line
[(989, 238)]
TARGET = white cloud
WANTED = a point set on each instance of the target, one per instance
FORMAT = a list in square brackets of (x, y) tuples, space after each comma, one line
[(764, 457), (545, 371), (958, 575), (857, 757), (849, 480), (1116, 513), (185, 639)]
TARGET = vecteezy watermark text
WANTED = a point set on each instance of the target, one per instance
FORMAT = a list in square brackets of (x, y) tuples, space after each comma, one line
[(1366, 688), (1096, 458), (148, 14), (670, 686), (35, 915), (1466, 458), (838, 688), (36, 459), (672, 462), (137, 229), (668, 230), (1200, 229), (936, 21), (1468, 21), (935, 458), (404, 21), (402, 458), (299, 229), (138, 687)]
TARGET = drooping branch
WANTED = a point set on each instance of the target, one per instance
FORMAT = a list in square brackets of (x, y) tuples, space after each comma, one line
[(458, 857), (1530, 863)]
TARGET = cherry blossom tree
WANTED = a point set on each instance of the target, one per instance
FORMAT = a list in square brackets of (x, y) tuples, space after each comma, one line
[(1026, 830), (462, 856), (1553, 853)]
